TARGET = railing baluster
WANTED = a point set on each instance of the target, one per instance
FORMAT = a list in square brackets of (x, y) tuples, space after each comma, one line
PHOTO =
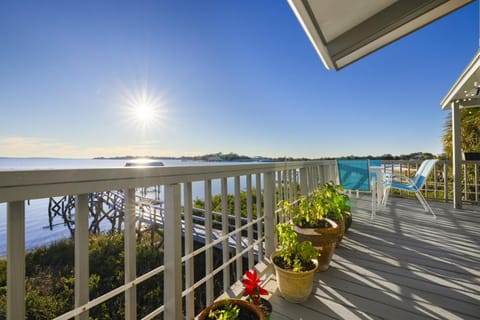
[(16, 260), (130, 254), (258, 187), (303, 182), (476, 182), (250, 218), (173, 250), (189, 263), (81, 254), (238, 225), (225, 225), (208, 240), (269, 211), (445, 181)]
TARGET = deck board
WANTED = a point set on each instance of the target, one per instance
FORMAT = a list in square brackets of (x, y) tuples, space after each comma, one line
[(402, 265)]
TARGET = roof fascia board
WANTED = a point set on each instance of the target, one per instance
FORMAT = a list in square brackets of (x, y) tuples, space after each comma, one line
[(378, 25), (306, 18), (461, 81), (402, 31)]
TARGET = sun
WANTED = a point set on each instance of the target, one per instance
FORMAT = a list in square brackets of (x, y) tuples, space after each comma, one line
[(144, 113), (144, 109)]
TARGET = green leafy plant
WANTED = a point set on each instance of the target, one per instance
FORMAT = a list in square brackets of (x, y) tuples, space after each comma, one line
[(294, 255), (227, 311), (309, 211)]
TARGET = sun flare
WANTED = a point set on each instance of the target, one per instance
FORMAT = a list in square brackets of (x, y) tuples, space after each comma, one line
[(144, 109), (144, 113)]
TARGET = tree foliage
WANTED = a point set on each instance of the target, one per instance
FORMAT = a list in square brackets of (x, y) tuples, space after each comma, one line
[(470, 131)]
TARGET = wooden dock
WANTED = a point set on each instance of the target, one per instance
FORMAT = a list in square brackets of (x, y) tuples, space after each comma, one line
[(402, 265)]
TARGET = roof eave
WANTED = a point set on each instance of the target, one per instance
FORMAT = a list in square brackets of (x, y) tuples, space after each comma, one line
[(461, 81)]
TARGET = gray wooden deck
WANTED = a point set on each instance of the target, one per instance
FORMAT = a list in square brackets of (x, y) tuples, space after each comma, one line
[(402, 265)]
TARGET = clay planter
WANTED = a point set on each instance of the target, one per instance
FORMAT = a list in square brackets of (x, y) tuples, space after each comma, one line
[(324, 238), (295, 287), (248, 311)]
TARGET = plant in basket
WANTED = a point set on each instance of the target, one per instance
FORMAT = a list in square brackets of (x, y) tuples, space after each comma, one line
[(253, 291)]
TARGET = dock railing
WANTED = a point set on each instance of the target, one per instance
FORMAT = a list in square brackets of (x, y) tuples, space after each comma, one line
[(273, 181)]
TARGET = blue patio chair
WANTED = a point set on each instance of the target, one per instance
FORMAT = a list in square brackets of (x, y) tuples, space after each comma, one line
[(354, 175), (375, 163), (415, 184)]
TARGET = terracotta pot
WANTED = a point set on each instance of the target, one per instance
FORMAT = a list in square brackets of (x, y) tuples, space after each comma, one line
[(295, 287), (246, 309), (324, 239)]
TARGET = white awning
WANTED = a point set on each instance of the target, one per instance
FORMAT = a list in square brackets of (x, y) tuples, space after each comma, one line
[(343, 31)]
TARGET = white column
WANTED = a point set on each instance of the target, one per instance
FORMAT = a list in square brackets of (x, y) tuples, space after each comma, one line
[(16, 260), (457, 156), (173, 261), (130, 254), (81, 253)]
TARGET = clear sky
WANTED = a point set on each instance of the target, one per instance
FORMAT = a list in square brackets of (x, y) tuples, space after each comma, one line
[(221, 76)]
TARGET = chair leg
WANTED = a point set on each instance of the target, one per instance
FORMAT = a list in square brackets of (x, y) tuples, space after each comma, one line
[(386, 193), (424, 203), (373, 188)]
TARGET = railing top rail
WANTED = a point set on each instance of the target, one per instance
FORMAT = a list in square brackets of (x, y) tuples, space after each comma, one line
[(34, 184)]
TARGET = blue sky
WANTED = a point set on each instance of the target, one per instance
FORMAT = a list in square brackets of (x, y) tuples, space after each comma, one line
[(222, 76)]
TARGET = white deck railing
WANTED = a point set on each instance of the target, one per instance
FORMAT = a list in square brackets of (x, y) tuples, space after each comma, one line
[(439, 185), (18, 186)]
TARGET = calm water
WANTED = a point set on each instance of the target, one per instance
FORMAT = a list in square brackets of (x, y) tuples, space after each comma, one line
[(37, 232)]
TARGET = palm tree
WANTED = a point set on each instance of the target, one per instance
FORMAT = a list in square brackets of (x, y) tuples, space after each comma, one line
[(470, 132)]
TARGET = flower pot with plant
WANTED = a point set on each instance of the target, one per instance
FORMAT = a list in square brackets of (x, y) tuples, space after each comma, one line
[(294, 265), (338, 207), (232, 309), (309, 216), (253, 291)]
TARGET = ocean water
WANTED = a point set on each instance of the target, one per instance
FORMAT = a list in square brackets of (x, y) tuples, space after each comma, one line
[(37, 231)]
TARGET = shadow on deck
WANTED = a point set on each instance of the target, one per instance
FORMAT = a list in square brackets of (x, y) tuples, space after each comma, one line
[(402, 265)]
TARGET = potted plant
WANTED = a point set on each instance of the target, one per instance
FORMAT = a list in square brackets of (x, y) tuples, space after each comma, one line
[(232, 309), (309, 216), (338, 207), (253, 291), (294, 265)]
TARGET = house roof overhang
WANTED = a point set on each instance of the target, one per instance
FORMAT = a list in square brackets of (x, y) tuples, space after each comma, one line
[(466, 90), (343, 31)]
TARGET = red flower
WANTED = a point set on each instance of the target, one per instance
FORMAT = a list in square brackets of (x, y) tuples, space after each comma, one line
[(252, 287)]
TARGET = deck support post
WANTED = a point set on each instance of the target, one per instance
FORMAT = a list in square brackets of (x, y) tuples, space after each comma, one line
[(130, 254), (457, 156), (16, 260), (173, 261), (81, 254)]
